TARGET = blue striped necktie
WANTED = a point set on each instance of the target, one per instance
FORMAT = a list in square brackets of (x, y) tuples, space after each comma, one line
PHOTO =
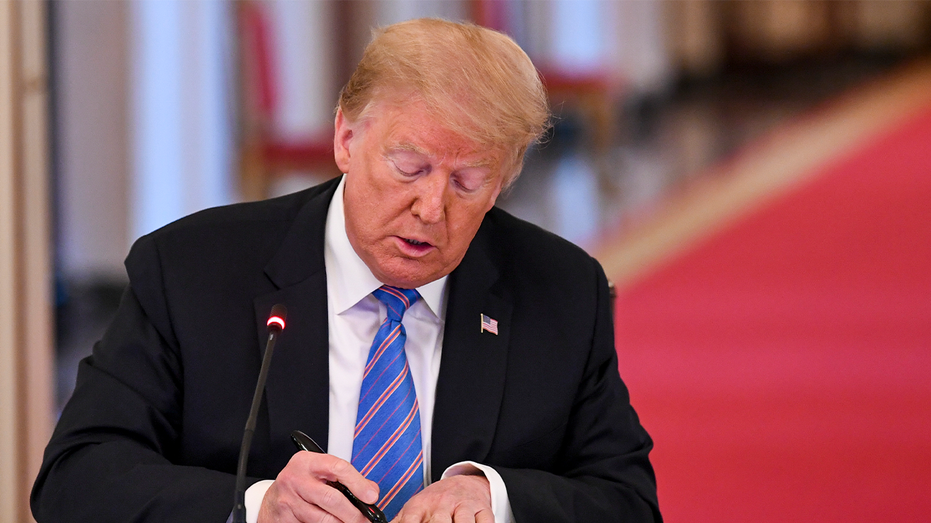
[(387, 447)]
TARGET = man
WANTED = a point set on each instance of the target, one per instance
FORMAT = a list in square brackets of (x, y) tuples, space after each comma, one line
[(512, 406)]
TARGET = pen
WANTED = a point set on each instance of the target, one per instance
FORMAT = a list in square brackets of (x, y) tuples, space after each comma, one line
[(373, 513)]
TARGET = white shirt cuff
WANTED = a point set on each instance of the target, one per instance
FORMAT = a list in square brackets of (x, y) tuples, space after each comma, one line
[(254, 496), (500, 504)]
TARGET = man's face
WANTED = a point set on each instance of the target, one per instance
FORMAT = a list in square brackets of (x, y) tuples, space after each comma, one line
[(416, 193)]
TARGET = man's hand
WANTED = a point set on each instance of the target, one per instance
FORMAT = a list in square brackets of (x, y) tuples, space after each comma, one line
[(459, 499), (300, 493)]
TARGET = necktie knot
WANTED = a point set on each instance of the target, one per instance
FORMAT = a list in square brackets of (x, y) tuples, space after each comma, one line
[(396, 299)]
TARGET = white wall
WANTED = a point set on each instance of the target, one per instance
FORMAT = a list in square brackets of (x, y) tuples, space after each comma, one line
[(144, 123), (92, 135), (305, 49), (181, 116), (392, 11)]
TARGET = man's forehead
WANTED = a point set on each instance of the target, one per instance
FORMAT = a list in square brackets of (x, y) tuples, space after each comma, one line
[(431, 140), (407, 125)]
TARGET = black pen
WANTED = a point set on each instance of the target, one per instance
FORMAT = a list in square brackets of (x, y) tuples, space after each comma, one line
[(373, 513)]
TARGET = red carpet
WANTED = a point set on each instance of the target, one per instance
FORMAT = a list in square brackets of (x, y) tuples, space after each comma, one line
[(783, 367)]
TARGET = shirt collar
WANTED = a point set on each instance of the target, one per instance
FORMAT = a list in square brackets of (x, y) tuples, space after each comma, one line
[(349, 277)]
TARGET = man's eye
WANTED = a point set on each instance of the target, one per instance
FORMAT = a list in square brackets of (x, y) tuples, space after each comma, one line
[(466, 185), (407, 170)]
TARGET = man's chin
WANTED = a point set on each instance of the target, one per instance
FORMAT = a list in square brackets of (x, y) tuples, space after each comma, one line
[(406, 282), (408, 274)]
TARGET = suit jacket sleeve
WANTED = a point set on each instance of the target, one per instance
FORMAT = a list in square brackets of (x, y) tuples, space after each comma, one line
[(153, 429), (601, 471), (115, 451)]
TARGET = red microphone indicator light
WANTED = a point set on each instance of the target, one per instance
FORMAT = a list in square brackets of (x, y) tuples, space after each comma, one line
[(278, 315)]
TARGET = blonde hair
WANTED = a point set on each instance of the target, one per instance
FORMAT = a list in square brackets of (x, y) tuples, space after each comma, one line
[(477, 82)]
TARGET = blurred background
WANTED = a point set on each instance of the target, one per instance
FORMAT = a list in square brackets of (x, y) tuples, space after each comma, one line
[(677, 125)]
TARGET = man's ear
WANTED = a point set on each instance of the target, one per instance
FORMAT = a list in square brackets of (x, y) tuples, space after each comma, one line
[(341, 140)]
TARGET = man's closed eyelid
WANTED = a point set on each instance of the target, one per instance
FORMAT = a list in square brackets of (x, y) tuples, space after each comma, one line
[(469, 188), (408, 170)]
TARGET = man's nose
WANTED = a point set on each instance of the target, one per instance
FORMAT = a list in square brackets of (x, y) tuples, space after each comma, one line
[(430, 201)]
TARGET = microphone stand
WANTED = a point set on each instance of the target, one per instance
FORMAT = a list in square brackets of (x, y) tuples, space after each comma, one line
[(275, 326)]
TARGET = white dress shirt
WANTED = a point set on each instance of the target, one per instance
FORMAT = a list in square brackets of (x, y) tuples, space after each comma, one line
[(354, 316)]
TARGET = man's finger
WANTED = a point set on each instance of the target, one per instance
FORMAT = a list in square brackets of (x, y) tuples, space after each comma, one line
[(331, 468), (301, 491), (484, 516), (472, 513), (457, 499), (417, 516)]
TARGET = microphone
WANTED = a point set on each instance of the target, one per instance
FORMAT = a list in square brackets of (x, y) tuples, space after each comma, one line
[(275, 325)]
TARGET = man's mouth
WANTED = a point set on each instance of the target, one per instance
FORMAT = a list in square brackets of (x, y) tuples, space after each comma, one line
[(415, 248)]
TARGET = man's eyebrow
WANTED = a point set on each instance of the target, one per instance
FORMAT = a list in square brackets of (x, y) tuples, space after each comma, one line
[(408, 148), (482, 162)]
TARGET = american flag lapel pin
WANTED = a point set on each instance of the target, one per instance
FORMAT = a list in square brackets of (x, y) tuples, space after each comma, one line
[(489, 324)]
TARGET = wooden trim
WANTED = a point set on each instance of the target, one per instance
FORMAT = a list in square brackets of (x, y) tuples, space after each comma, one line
[(26, 364), (10, 497), (37, 383)]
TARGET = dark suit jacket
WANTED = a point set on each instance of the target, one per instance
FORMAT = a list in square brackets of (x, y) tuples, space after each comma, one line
[(154, 427)]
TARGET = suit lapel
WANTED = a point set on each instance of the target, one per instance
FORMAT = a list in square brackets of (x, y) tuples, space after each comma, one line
[(472, 370), (297, 390)]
